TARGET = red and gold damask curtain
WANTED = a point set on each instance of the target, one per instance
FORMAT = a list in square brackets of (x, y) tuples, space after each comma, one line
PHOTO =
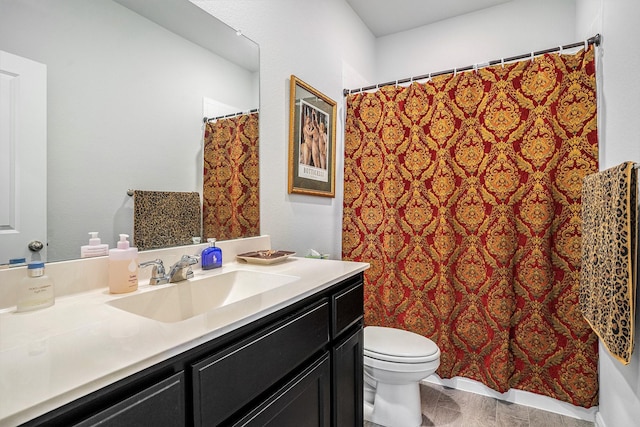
[(464, 195), (231, 203)]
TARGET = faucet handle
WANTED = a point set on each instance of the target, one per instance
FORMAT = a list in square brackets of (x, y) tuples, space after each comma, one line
[(181, 270), (158, 275), (190, 259)]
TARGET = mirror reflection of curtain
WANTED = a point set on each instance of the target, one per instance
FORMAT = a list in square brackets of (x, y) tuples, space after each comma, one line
[(464, 194), (231, 207)]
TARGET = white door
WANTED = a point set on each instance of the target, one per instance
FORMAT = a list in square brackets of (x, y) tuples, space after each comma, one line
[(23, 157)]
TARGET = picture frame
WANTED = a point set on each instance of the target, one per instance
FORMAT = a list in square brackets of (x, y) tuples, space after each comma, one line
[(312, 141)]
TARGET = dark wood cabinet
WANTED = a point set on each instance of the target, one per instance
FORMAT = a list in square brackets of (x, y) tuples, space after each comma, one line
[(300, 366)]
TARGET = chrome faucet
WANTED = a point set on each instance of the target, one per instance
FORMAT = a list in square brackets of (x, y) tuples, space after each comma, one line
[(178, 272), (181, 270)]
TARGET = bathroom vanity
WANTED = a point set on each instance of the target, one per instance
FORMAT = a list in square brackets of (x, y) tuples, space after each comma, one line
[(289, 356)]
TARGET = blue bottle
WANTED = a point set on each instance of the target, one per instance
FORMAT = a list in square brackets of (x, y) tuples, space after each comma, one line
[(211, 256)]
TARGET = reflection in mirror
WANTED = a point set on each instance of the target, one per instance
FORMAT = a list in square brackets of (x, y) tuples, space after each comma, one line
[(231, 207), (128, 83)]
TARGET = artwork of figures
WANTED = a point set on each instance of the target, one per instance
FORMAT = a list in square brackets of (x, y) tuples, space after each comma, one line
[(311, 141)]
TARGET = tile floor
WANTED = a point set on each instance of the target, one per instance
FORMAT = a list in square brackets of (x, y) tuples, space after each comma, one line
[(443, 406)]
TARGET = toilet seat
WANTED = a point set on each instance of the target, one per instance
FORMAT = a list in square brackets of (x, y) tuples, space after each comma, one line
[(398, 346), (399, 359)]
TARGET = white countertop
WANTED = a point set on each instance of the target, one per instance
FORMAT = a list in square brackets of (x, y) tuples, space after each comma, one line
[(53, 356)]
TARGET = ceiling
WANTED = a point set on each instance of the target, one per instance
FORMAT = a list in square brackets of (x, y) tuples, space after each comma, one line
[(191, 22), (384, 17)]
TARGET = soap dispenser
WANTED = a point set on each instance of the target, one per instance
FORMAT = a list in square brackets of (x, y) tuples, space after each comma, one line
[(36, 289), (94, 248), (211, 256), (123, 267)]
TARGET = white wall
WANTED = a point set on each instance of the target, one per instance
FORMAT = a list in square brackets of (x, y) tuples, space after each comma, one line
[(619, 141), (322, 43), (125, 101), (509, 29)]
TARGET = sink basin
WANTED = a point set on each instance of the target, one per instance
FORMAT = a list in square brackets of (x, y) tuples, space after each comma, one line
[(183, 300)]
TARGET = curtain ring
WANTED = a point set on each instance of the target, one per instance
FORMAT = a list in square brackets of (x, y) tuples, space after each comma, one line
[(586, 45), (396, 83), (455, 71), (475, 68), (429, 78), (502, 62), (560, 50), (531, 56)]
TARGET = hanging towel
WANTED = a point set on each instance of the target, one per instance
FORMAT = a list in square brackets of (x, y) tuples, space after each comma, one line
[(165, 218), (609, 239)]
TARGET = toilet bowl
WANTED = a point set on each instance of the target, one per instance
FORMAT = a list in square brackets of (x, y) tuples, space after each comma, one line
[(394, 362)]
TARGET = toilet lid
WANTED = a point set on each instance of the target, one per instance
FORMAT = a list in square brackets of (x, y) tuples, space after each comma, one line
[(397, 345)]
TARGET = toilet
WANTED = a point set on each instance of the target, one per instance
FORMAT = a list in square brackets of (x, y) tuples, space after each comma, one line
[(394, 362)]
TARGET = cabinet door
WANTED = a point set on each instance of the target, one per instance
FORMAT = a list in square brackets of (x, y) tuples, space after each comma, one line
[(159, 405), (231, 379), (347, 391), (303, 402)]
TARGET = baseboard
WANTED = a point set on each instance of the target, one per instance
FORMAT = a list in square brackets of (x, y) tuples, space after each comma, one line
[(521, 397)]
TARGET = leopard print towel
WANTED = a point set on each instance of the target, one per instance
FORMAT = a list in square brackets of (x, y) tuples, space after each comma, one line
[(165, 218), (609, 238)]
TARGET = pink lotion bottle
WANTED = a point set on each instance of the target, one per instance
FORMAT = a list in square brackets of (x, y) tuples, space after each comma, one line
[(123, 267)]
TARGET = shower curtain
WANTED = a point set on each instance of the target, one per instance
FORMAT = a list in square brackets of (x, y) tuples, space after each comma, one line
[(231, 204), (464, 195)]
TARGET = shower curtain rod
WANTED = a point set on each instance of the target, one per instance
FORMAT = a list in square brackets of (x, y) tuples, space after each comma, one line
[(208, 119), (595, 40)]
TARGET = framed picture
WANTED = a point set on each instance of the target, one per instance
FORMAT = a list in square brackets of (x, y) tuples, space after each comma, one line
[(312, 141)]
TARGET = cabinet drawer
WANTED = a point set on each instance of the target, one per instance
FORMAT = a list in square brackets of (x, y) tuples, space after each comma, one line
[(161, 404), (232, 378), (347, 308)]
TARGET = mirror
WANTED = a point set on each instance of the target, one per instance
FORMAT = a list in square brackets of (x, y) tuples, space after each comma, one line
[(128, 85)]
